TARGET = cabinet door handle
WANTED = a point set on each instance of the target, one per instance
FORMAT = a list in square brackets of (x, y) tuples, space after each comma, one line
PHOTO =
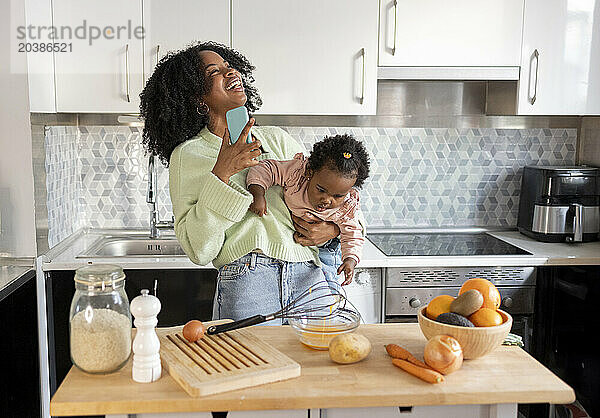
[(395, 25), (362, 87), (127, 71), (535, 55), (157, 56)]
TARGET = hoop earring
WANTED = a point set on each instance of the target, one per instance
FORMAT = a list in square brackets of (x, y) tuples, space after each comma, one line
[(205, 109)]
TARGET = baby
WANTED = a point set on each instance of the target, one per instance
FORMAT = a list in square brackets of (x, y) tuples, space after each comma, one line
[(325, 186)]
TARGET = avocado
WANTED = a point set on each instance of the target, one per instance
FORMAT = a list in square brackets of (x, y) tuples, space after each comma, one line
[(467, 303), (454, 319)]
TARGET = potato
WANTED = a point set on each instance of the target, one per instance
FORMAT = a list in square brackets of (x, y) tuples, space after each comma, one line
[(349, 348)]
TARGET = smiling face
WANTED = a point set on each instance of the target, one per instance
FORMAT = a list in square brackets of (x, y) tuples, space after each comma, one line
[(225, 90), (327, 188)]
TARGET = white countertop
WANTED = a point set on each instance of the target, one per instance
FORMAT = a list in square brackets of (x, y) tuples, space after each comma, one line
[(10, 273), (63, 256), (587, 253)]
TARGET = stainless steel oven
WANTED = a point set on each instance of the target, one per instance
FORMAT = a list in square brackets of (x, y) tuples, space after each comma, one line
[(408, 289)]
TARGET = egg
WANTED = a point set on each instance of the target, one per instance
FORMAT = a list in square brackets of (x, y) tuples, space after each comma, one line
[(194, 330)]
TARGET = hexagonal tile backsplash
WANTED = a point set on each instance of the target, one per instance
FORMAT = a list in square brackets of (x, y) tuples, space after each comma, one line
[(97, 175)]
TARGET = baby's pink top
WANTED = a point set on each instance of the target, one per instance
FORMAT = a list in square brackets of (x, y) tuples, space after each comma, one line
[(290, 175)]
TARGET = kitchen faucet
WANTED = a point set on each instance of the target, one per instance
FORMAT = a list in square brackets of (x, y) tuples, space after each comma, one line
[(155, 224)]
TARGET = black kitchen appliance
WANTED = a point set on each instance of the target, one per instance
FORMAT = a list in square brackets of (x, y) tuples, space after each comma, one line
[(442, 244), (560, 204)]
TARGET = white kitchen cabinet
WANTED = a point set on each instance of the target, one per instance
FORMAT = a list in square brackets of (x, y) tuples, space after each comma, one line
[(287, 413), (463, 33), (106, 76), (311, 56), (172, 25), (560, 62), (438, 411), (40, 65), (17, 234)]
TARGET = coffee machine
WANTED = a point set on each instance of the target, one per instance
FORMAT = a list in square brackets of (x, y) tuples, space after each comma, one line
[(560, 204)]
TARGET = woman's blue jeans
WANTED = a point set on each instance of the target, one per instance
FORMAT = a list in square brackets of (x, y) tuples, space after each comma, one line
[(256, 284)]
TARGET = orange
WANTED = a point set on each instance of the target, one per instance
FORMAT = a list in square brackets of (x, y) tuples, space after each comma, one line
[(485, 317), (491, 296), (438, 305)]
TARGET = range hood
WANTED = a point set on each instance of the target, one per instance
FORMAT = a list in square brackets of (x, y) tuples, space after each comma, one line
[(426, 98), (448, 73)]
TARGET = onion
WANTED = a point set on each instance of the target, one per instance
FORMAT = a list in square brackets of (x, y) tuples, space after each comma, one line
[(444, 354), (194, 330)]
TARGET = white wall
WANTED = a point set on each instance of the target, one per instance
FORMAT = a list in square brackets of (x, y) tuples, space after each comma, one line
[(17, 236)]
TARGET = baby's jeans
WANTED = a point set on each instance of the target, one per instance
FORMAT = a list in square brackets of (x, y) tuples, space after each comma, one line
[(330, 255)]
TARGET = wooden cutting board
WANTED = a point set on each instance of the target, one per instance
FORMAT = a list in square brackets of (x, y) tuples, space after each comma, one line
[(219, 363)]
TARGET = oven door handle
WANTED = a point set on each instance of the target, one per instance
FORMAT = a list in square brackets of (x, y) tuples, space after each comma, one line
[(401, 319)]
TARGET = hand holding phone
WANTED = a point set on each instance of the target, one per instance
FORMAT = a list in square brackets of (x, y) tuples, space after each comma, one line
[(237, 119)]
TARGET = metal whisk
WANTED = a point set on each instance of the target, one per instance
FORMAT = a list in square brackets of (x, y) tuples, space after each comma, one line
[(321, 301)]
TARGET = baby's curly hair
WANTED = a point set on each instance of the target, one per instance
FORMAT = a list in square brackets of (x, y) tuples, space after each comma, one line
[(170, 98), (342, 153)]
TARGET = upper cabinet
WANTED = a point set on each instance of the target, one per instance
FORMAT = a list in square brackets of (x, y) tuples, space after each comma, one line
[(321, 57), (450, 33), (311, 56), (40, 65), (560, 62), (101, 69), (171, 25)]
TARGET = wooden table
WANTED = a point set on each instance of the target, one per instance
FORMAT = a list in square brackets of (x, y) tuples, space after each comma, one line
[(508, 375)]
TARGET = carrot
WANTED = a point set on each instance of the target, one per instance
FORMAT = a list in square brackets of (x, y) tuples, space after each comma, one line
[(395, 351), (428, 375)]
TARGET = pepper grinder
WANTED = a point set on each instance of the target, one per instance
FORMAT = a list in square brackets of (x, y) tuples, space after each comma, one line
[(146, 346)]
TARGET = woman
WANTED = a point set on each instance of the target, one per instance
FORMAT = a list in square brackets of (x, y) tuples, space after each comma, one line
[(262, 264)]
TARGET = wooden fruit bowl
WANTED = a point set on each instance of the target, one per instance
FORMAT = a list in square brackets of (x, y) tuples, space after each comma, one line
[(476, 341)]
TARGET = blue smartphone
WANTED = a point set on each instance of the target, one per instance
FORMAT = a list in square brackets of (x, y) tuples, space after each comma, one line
[(236, 121)]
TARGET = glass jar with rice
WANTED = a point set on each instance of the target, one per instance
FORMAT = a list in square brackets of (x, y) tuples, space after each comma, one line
[(100, 320)]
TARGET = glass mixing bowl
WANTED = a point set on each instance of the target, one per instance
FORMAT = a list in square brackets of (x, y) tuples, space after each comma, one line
[(316, 332)]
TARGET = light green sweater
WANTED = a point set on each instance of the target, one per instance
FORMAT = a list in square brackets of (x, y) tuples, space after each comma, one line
[(212, 221)]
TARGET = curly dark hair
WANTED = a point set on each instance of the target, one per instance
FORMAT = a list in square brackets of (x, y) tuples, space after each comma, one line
[(170, 98), (330, 153)]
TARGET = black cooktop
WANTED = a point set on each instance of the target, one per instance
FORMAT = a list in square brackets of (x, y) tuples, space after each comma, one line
[(442, 244)]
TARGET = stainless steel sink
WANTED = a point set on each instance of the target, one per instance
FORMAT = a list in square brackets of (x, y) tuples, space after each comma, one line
[(134, 247)]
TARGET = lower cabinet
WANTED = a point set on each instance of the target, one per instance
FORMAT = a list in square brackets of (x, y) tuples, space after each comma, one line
[(288, 413), (184, 295), (566, 320), (442, 411), (280, 413), (19, 345)]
